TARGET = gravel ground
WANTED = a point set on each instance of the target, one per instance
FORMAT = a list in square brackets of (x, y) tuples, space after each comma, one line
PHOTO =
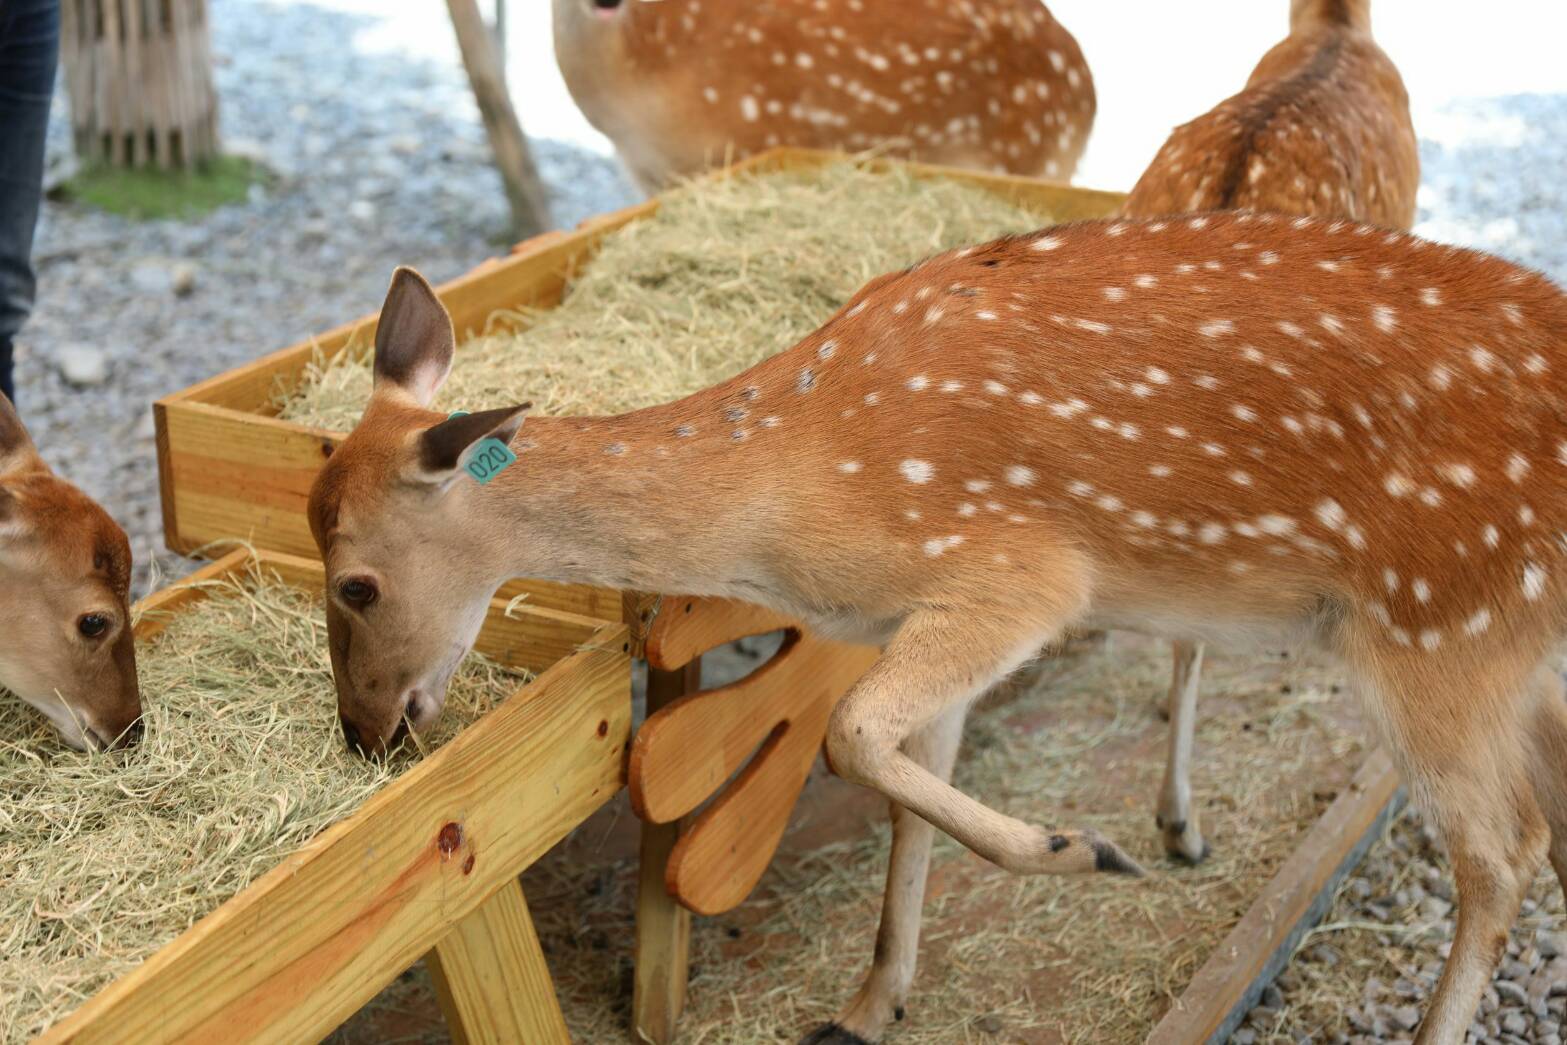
[(1368, 970), (382, 161)]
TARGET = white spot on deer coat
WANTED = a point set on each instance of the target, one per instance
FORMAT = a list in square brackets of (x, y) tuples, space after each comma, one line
[(1476, 624), (917, 471), (1019, 475), (939, 545), (1533, 581), (849, 467)]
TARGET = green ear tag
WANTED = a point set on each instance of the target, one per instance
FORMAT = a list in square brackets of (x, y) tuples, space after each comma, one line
[(488, 458)]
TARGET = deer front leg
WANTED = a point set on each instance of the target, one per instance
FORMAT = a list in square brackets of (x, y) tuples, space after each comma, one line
[(881, 998), (937, 660), (1176, 819)]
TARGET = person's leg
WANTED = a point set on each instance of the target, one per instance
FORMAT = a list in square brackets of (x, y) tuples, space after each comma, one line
[(29, 51)]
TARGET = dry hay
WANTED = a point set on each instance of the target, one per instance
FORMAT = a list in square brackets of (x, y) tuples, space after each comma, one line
[(1003, 959), (106, 857), (726, 273)]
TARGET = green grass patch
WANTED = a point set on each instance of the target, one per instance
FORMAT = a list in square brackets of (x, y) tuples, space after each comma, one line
[(149, 193)]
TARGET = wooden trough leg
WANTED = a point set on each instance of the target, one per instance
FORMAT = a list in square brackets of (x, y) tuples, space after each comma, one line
[(491, 977), (663, 926)]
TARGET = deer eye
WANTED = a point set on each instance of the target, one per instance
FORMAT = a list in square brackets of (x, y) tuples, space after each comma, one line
[(92, 625), (357, 592)]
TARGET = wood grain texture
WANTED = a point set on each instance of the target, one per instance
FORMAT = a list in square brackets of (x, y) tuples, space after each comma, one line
[(307, 944), (683, 754), (725, 851), (684, 627), (663, 943), (1294, 900), (491, 977)]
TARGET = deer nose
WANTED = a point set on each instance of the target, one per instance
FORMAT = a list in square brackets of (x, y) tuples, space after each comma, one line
[(351, 734)]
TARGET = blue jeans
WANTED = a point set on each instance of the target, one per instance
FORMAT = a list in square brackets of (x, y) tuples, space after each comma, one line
[(29, 51)]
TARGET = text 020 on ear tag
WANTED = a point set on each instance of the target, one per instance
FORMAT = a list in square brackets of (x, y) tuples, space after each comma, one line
[(490, 457)]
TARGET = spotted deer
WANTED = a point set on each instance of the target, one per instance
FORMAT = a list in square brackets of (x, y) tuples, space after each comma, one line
[(1321, 129), (1230, 427), (65, 630), (679, 85)]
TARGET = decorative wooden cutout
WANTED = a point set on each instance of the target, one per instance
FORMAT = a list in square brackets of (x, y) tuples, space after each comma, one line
[(771, 722)]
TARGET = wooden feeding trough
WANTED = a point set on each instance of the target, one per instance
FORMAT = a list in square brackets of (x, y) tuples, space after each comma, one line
[(230, 468), (427, 867)]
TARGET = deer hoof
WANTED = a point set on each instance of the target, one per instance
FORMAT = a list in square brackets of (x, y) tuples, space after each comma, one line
[(1184, 843), (833, 1034)]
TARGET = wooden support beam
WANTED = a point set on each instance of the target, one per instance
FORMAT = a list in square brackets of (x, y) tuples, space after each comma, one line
[(1262, 942), (530, 210), (491, 977), (663, 944)]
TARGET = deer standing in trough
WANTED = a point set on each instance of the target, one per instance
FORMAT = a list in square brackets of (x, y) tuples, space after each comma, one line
[(679, 85), (66, 646), (1011, 440), (1321, 129)]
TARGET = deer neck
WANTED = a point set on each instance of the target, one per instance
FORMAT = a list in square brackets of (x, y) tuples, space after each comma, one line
[(616, 501)]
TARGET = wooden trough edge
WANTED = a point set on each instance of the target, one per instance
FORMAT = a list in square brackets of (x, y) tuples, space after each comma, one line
[(1261, 944), (305, 945)]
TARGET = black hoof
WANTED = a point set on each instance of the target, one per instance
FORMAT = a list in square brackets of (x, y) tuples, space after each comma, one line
[(832, 1034)]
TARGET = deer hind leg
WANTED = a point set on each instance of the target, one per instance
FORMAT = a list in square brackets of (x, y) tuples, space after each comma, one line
[(880, 999), (1549, 766), (1176, 818), (1460, 732), (939, 659)]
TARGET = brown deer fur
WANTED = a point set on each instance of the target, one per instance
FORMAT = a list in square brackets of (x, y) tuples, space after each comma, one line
[(1322, 128), (679, 85), (1223, 427), (62, 559)]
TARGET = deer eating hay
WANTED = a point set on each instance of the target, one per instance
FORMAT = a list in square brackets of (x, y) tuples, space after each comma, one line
[(1321, 129), (65, 625), (1222, 427), (679, 85)]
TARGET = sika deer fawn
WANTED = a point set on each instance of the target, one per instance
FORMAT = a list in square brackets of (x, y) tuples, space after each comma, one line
[(678, 84), (1225, 427), (65, 625), (1323, 129)]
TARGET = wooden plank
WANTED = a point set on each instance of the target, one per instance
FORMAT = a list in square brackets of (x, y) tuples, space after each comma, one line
[(1257, 949), (152, 613), (315, 938), (724, 853), (491, 978), (684, 627), (663, 944), (683, 754)]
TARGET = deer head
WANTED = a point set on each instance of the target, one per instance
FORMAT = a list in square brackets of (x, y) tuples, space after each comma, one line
[(399, 619), (66, 645)]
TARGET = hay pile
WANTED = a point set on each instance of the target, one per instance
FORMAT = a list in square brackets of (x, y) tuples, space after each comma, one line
[(106, 857), (724, 275)]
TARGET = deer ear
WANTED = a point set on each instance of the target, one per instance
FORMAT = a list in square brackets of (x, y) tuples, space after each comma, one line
[(17, 452), (443, 448), (413, 339)]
